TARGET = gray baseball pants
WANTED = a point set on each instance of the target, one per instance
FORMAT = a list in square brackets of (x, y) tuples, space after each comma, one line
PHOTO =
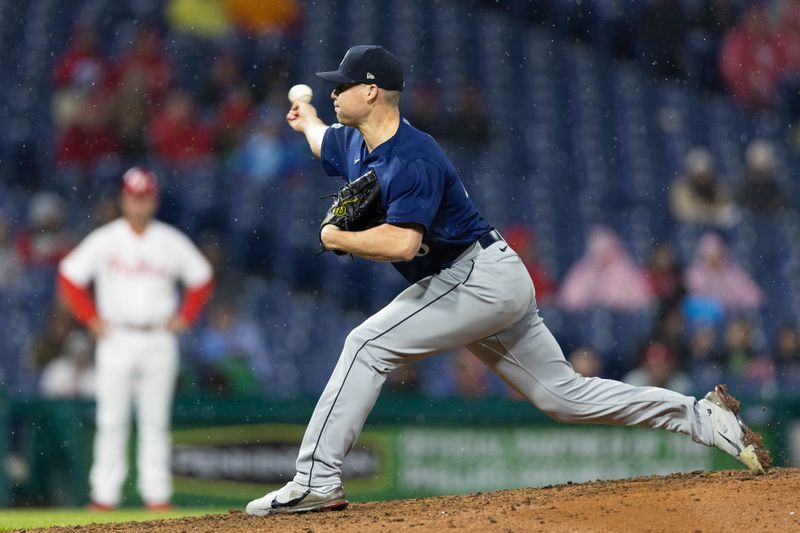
[(485, 301)]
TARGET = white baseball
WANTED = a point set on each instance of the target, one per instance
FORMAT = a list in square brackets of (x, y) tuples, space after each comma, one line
[(300, 93)]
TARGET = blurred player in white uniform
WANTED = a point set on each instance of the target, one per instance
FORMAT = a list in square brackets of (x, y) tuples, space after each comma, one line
[(135, 263)]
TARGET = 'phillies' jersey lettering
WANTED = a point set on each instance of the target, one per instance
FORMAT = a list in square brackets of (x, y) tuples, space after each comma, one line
[(118, 265)]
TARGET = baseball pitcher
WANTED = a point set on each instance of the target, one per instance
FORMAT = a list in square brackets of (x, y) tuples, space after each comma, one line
[(467, 288), (135, 263)]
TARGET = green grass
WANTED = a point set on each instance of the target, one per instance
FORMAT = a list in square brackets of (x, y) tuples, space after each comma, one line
[(14, 519)]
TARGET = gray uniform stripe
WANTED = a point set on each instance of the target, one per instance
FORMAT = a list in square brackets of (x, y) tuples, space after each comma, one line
[(378, 336)]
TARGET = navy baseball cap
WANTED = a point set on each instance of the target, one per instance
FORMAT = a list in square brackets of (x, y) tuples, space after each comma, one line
[(371, 64)]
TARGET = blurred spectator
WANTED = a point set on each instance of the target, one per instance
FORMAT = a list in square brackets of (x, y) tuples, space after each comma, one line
[(145, 68), (84, 81), (522, 239), (271, 92), (714, 17), (759, 190), (788, 34), (710, 20), (761, 377), (468, 126), (264, 17), (662, 26), (46, 238), (228, 282), (738, 350), (606, 276), (71, 374), (199, 17), (713, 274), (704, 357), (225, 74), (234, 115), (742, 361), (47, 345), (83, 65), (263, 156), (90, 137), (699, 196), (131, 113), (233, 352), (10, 264), (67, 106), (586, 362), (669, 330), (665, 275), (425, 111), (703, 310), (659, 369), (177, 135), (788, 40), (787, 357), (750, 60)]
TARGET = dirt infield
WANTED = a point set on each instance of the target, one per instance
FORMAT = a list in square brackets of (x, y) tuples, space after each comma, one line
[(700, 501)]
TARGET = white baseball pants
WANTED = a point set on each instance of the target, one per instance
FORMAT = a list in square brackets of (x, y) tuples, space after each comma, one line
[(140, 369), (486, 302)]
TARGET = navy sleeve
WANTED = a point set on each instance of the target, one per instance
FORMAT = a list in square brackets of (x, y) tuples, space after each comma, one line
[(415, 193), (334, 151)]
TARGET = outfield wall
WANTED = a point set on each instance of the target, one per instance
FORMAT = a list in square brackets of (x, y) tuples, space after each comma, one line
[(228, 450)]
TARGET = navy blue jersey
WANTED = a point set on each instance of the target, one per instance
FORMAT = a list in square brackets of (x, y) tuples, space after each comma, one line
[(418, 185)]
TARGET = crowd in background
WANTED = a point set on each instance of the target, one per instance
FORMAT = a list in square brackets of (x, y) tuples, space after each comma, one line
[(749, 49), (111, 109)]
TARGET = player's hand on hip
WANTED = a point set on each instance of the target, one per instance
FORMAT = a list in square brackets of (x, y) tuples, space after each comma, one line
[(300, 115), (177, 324), (98, 327)]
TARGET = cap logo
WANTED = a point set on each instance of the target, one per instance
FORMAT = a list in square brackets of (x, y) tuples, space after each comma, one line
[(370, 76), (139, 182)]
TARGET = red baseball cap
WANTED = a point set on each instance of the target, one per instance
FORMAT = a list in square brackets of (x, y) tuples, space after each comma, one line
[(138, 181)]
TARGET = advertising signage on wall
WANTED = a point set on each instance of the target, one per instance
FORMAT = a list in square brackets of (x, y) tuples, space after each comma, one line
[(400, 461), (264, 462), (227, 464), (444, 461)]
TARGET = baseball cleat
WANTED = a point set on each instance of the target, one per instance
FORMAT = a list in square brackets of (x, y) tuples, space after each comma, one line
[(295, 498), (731, 434), (160, 507), (98, 507)]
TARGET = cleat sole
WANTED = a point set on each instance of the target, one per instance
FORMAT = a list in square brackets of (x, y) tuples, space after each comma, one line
[(754, 456), (335, 505)]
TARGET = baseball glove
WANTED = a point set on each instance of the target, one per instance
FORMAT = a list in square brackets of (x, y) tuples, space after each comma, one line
[(356, 206)]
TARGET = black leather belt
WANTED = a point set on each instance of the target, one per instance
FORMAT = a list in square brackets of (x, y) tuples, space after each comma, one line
[(490, 238), (485, 241)]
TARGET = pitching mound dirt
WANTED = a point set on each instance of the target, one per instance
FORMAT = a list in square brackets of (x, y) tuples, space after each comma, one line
[(700, 501)]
